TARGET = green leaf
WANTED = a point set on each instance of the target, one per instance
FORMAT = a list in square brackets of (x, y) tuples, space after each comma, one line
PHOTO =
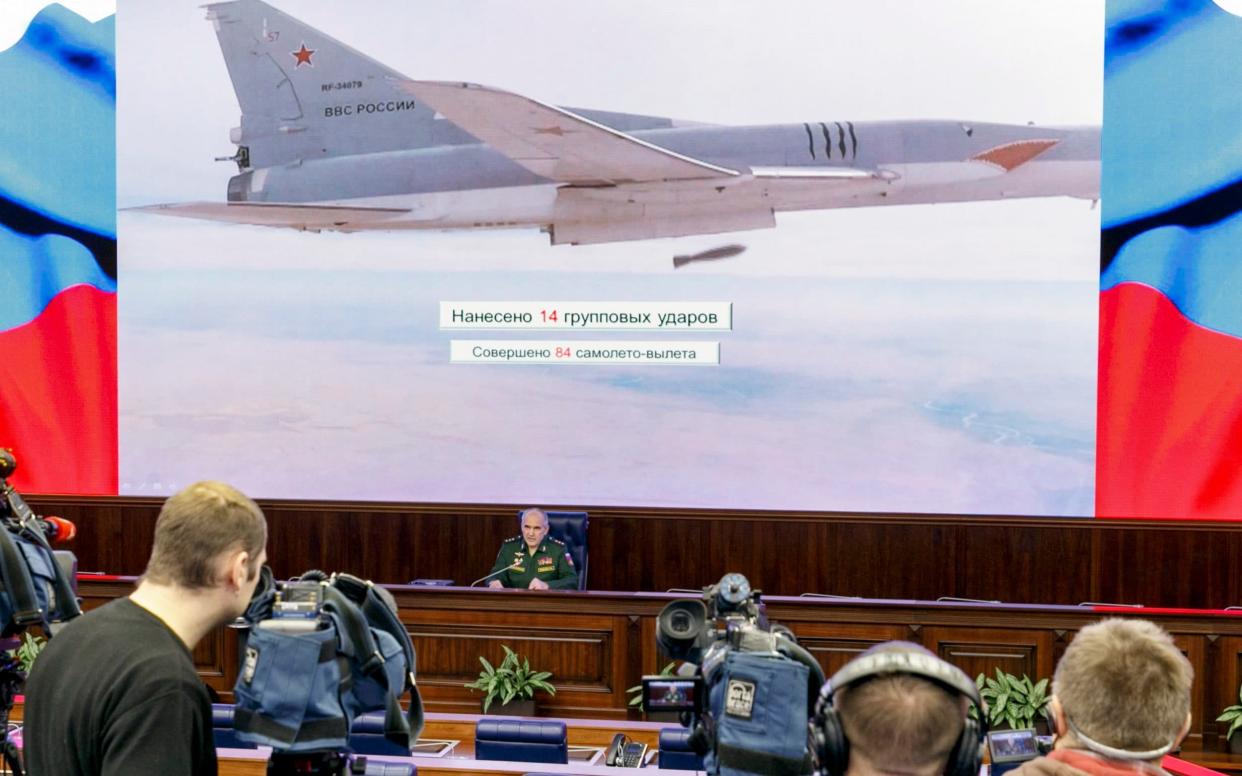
[(513, 678)]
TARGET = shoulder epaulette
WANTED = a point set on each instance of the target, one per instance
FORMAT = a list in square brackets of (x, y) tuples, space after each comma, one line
[(517, 538), (558, 541)]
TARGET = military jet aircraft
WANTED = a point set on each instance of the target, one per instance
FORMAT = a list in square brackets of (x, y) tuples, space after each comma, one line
[(331, 139)]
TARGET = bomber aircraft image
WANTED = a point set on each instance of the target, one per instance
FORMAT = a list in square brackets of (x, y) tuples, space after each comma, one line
[(331, 139)]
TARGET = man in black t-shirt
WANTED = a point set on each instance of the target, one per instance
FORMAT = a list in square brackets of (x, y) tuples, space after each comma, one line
[(115, 692)]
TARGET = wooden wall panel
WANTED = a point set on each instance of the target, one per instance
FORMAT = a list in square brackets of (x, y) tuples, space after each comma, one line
[(835, 644), (1012, 559), (587, 652), (1194, 647), (1171, 566), (982, 650), (1225, 656)]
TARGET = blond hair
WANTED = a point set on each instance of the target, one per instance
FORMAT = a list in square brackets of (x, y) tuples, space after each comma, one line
[(1125, 684), (196, 526)]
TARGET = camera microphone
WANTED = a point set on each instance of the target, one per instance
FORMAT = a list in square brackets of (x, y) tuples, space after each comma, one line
[(58, 530)]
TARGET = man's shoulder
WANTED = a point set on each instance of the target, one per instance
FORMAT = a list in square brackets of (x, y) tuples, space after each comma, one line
[(554, 540), (118, 633), (119, 616), (513, 540)]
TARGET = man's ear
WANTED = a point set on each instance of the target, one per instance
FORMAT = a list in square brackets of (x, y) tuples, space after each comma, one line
[(1185, 731), (1057, 716), (238, 569)]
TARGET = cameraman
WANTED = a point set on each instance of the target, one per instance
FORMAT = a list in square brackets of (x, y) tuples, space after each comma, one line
[(116, 692)]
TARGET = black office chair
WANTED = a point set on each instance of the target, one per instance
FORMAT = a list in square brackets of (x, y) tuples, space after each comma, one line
[(571, 528)]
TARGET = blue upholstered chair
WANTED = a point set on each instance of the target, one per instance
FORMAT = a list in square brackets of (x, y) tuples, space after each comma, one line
[(522, 740), (571, 528), (222, 728), (675, 752), (366, 736)]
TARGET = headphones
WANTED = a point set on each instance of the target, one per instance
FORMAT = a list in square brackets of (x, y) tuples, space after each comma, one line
[(1112, 752), (829, 748)]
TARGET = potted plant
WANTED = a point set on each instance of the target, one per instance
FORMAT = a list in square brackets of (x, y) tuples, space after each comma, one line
[(513, 683), (27, 651), (1014, 702), (1233, 715)]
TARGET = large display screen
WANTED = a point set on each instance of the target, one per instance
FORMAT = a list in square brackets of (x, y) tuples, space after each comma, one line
[(832, 256)]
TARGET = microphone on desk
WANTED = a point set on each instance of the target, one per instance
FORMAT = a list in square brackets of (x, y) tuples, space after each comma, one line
[(510, 567)]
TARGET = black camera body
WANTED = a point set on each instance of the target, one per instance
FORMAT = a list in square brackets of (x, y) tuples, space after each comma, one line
[(686, 629), (753, 688)]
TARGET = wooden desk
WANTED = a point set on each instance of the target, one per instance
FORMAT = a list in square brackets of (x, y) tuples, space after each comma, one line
[(588, 732), (599, 643)]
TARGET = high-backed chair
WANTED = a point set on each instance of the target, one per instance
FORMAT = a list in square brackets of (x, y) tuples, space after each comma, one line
[(366, 736), (222, 728), (571, 528), (523, 740), (675, 751)]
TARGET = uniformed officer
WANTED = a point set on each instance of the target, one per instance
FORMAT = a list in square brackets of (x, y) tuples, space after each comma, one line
[(534, 560)]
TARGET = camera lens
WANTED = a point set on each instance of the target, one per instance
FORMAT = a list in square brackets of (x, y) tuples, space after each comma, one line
[(680, 623)]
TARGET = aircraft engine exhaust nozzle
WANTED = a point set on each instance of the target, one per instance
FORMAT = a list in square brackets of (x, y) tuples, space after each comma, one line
[(712, 254)]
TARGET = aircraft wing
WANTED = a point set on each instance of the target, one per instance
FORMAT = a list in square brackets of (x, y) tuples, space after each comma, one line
[(555, 143), (277, 214)]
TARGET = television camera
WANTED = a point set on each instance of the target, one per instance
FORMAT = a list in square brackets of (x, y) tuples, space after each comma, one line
[(323, 650), (753, 687)]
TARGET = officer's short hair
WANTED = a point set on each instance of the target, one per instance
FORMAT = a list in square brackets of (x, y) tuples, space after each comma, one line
[(522, 515)]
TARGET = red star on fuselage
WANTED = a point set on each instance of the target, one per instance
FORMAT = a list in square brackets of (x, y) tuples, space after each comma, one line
[(303, 56)]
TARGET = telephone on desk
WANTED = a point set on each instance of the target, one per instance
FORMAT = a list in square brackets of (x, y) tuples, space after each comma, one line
[(624, 752)]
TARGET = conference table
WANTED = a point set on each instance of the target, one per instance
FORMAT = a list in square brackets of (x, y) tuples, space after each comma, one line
[(599, 643)]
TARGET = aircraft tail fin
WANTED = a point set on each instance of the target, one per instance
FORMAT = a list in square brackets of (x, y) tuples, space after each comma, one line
[(305, 95)]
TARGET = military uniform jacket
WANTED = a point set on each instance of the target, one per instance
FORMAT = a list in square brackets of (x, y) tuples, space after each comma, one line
[(550, 562)]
